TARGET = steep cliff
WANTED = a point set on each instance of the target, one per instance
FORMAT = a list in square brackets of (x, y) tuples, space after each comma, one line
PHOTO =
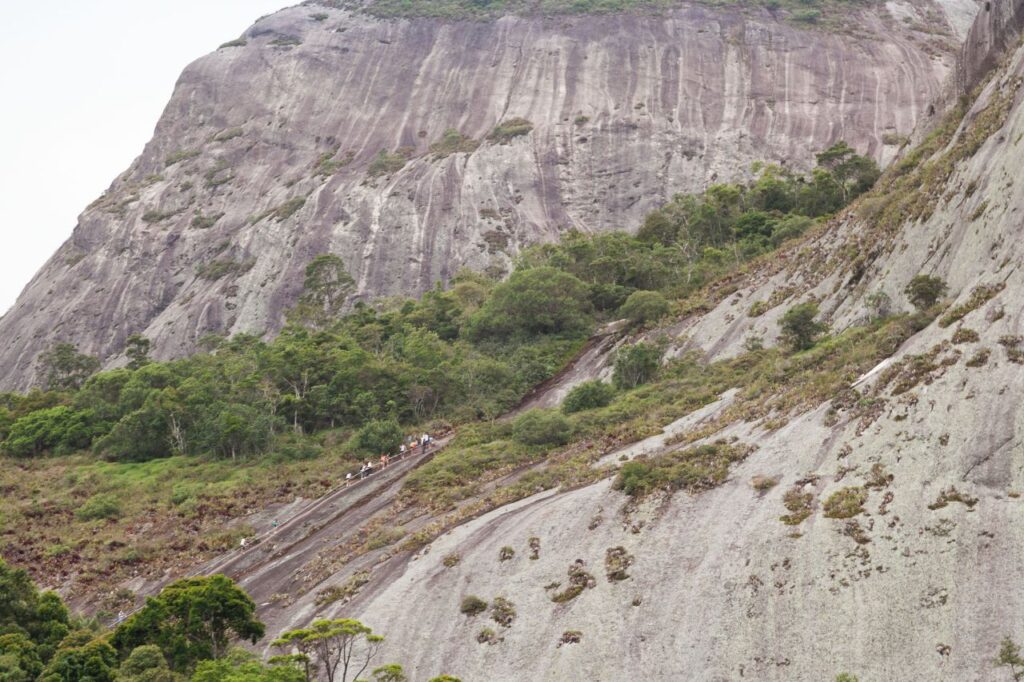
[(902, 554), (270, 152)]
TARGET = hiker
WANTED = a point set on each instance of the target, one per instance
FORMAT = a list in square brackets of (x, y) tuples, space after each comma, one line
[(401, 451), (362, 472), (120, 617), (384, 460), (243, 543), (348, 479)]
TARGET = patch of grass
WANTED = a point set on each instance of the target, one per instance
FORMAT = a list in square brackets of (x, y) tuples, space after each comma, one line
[(570, 637), (383, 538), (155, 216), (453, 142), (503, 612), (981, 295), (798, 503), (616, 562), (579, 580), (487, 636), (845, 503), (237, 42), (103, 506), (965, 335), (343, 593), (763, 484), (692, 469), (506, 553), (229, 134), (217, 269), (472, 605), (179, 156), (979, 359), (508, 130), (205, 222), (758, 308), (451, 560), (386, 163), (286, 41), (327, 163), (951, 494)]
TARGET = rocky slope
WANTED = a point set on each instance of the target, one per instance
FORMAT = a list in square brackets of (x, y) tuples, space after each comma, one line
[(922, 585), (265, 155)]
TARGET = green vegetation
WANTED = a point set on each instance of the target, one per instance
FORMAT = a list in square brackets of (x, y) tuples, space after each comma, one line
[(691, 469), (338, 647), (503, 612), (845, 503), (980, 295), (588, 395), (453, 142), (508, 130), (237, 42), (799, 329), (924, 291), (636, 365), (642, 307), (179, 156), (542, 427), (1009, 657), (472, 605), (386, 163), (219, 268), (798, 504), (191, 620), (616, 562)]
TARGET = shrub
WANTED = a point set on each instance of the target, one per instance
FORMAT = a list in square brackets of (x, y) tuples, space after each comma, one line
[(636, 364), (924, 291), (644, 306), (579, 580), (385, 163), (980, 295), (535, 301), (798, 503), (616, 561), (506, 553), (758, 308), (102, 506), (506, 131), (588, 396), (503, 612), (965, 335), (542, 427), (637, 479), (763, 483), (57, 429), (473, 605), (451, 560), (845, 503), (379, 436), (799, 329), (570, 637), (487, 636), (237, 42), (453, 142)]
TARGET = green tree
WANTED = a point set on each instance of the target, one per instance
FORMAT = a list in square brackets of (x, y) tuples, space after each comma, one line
[(854, 174), (65, 369), (924, 291), (325, 291), (636, 364), (588, 396), (191, 620), (644, 306), (82, 657), (240, 665), (40, 617), (56, 429), (379, 436), (535, 301), (799, 329), (1009, 657), (19, 658), (146, 663), (541, 427), (339, 646), (392, 672), (137, 351)]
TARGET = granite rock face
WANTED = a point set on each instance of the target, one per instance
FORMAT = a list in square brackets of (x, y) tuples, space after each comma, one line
[(267, 154)]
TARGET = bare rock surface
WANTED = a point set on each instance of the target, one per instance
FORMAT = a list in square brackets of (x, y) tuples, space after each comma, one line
[(263, 158)]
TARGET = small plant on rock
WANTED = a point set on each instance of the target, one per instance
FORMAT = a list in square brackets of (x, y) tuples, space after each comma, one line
[(472, 605), (506, 553), (616, 561), (845, 503), (570, 637), (798, 503), (503, 612), (579, 580)]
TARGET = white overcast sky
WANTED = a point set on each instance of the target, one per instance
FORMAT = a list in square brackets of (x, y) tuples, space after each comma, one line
[(82, 84)]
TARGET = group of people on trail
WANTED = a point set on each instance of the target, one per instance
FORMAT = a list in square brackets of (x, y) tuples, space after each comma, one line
[(406, 448)]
